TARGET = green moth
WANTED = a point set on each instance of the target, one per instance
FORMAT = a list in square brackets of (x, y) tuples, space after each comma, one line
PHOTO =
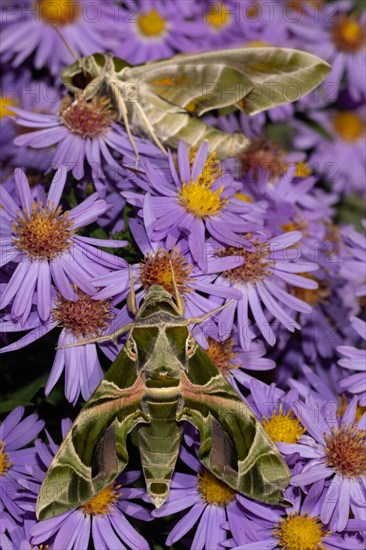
[(161, 378), (163, 100)]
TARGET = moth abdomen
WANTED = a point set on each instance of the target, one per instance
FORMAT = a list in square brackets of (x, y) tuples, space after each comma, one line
[(159, 444)]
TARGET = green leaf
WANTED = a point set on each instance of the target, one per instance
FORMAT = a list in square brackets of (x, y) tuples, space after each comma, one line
[(27, 392), (7, 406)]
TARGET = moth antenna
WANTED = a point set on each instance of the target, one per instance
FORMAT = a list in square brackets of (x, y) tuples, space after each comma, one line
[(68, 46), (106, 338), (178, 297), (197, 320), (131, 296)]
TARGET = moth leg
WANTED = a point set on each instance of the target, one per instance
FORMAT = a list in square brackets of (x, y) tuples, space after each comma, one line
[(151, 129), (131, 296), (178, 297), (197, 320), (106, 338), (92, 88), (122, 112)]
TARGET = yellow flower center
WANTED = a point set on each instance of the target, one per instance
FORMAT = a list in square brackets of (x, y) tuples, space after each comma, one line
[(5, 463), (345, 450), (85, 317), (155, 270), (303, 170), (257, 44), (151, 24), (298, 224), (243, 197), (256, 265), (58, 12), (197, 197), (88, 118), (343, 404), (348, 35), (218, 16), (349, 126), (285, 428), (222, 354), (263, 158), (6, 102), (44, 233), (300, 532), (214, 491), (103, 501), (315, 296)]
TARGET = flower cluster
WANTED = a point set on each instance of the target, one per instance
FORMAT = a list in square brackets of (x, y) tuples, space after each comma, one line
[(268, 246)]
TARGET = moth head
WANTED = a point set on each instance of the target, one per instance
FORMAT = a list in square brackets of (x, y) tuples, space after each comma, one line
[(157, 298)]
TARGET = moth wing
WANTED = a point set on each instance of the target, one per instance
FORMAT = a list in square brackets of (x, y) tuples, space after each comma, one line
[(253, 79), (94, 451), (234, 446)]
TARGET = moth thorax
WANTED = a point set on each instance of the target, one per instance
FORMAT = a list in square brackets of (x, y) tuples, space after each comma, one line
[(222, 354), (214, 491), (263, 160), (345, 451), (88, 118), (5, 462), (151, 24), (348, 34), (102, 503), (156, 270), (282, 427), (85, 317), (349, 126), (43, 233), (297, 532), (313, 297), (5, 103), (60, 12), (256, 264)]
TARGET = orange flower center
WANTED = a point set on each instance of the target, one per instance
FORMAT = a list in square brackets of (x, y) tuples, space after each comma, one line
[(44, 233), (85, 318), (155, 270), (58, 12)]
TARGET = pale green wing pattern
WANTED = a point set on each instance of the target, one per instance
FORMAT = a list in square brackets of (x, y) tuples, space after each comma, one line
[(254, 79), (234, 445), (94, 451)]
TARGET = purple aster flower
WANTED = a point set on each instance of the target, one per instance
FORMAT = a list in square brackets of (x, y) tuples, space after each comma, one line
[(209, 505), (194, 285), (339, 38), (269, 271), (19, 89), (339, 159), (334, 455), (42, 241), (353, 262), (29, 29), (301, 527), (196, 199), (84, 134), (83, 319), (15, 434), (102, 519), (156, 29), (354, 359)]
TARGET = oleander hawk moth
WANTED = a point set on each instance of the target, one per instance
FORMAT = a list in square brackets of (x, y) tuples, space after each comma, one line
[(160, 378), (163, 100)]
